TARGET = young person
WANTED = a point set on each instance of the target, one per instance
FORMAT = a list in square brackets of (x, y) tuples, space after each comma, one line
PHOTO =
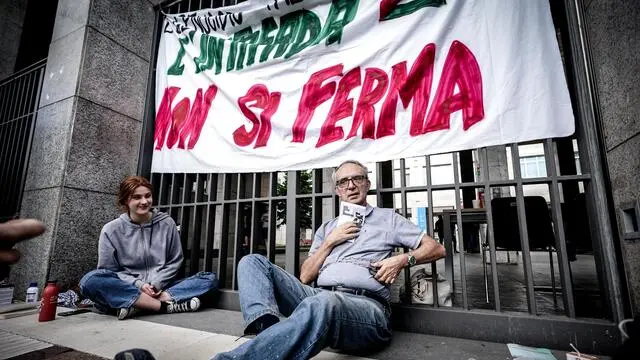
[(139, 255)]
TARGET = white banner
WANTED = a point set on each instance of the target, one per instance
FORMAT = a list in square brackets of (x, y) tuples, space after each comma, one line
[(301, 84)]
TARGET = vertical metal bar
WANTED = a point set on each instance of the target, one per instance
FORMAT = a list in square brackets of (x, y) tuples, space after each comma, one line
[(255, 192), (9, 152), (3, 165), (4, 95), (161, 189), (292, 247), (34, 118), (594, 162), (490, 235), (316, 202), (20, 97), (196, 225), (32, 88), (524, 235), (224, 238), (460, 221), (172, 189), (4, 154), (379, 184), (13, 134), (13, 95), (8, 156), (448, 246), (238, 239), (17, 157), (209, 251), (183, 219), (253, 227), (201, 191), (213, 187), (8, 101), (553, 277), (561, 245), (271, 232), (239, 231), (434, 267), (403, 206)]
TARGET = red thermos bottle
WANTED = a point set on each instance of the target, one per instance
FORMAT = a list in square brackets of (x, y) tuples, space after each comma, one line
[(49, 302)]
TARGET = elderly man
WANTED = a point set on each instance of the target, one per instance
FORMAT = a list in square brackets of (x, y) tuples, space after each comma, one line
[(353, 266)]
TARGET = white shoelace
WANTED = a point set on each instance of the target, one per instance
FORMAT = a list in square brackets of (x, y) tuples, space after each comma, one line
[(182, 307)]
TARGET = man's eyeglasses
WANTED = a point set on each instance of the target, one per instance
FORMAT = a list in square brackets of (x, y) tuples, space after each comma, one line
[(357, 181)]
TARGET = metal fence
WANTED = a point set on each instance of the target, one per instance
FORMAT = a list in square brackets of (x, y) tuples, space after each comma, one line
[(19, 99), (555, 271)]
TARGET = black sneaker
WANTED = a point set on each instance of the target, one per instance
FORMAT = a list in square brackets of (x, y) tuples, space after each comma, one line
[(134, 354), (261, 324), (125, 313), (186, 306)]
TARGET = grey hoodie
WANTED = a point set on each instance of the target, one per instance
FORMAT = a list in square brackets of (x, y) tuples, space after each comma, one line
[(141, 253)]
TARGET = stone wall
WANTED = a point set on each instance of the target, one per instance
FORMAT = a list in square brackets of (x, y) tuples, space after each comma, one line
[(88, 133), (13, 12), (613, 29)]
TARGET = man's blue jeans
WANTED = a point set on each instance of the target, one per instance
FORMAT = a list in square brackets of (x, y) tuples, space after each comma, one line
[(317, 318), (108, 292)]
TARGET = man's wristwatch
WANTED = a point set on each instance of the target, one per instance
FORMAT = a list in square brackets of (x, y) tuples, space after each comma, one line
[(411, 260)]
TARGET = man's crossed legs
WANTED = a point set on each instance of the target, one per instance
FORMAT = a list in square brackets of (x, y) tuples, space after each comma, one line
[(316, 318)]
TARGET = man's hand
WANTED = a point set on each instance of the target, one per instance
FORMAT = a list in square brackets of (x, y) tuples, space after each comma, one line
[(342, 233), (390, 268), (14, 231), (150, 290)]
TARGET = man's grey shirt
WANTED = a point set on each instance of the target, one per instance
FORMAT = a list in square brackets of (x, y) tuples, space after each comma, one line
[(348, 263)]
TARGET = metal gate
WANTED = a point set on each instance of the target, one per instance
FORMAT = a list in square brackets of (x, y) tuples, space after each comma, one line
[(19, 99), (531, 254)]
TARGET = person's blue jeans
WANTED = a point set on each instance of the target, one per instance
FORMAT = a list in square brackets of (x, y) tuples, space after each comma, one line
[(316, 318), (108, 292)]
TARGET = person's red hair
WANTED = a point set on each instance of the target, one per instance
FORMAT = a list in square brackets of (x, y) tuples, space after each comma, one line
[(128, 186)]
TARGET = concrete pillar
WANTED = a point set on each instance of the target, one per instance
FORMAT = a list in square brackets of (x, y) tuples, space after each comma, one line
[(614, 36), (87, 134)]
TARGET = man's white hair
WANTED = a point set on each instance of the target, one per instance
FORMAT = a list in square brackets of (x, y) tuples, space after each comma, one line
[(365, 171)]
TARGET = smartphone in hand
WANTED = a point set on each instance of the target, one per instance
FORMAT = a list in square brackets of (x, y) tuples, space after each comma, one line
[(373, 270)]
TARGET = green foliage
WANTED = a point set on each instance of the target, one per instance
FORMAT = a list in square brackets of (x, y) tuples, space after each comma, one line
[(303, 206)]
